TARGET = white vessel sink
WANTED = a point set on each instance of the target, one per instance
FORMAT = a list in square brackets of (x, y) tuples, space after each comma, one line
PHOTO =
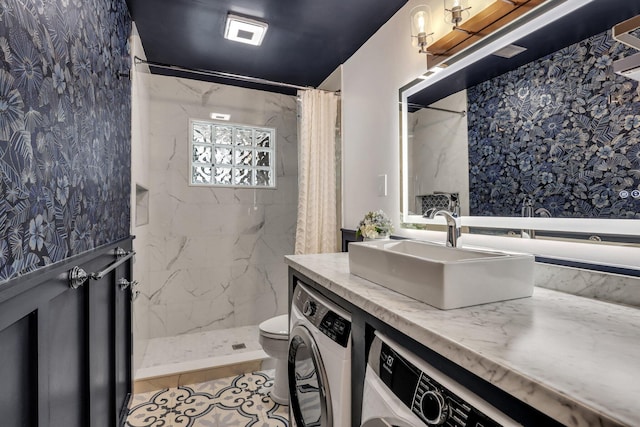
[(441, 276)]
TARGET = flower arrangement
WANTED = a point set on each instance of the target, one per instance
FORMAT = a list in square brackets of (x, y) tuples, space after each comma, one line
[(374, 225)]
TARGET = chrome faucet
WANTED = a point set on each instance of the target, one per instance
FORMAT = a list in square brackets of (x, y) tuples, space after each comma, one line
[(527, 212), (453, 227)]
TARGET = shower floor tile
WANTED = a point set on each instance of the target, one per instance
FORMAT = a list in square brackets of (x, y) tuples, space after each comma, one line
[(202, 350), (242, 400), (201, 345)]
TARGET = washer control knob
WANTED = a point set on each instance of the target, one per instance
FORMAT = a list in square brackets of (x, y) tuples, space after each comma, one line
[(309, 308), (434, 408)]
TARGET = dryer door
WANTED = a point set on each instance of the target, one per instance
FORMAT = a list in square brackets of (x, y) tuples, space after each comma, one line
[(308, 386)]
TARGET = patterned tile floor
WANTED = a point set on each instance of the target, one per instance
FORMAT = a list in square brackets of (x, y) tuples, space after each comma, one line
[(227, 402)]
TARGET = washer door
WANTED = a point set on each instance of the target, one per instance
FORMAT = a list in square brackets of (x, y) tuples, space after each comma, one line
[(308, 386)]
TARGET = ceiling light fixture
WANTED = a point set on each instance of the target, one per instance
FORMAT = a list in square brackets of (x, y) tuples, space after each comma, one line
[(456, 9), (220, 116), (420, 22), (245, 30)]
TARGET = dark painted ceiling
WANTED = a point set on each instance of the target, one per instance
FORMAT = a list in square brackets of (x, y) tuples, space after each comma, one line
[(589, 20), (306, 40)]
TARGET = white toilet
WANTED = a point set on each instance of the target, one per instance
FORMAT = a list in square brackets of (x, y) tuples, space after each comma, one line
[(274, 339)]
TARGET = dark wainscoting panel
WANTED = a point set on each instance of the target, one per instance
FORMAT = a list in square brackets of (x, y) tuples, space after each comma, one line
[(17, 350), (66, 359), (66, 353), (102, 354)]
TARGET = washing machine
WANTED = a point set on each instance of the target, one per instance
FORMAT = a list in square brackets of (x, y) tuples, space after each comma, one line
[(402, 390), (319, 361)]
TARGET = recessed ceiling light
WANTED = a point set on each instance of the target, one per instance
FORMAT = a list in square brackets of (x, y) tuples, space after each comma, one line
[(245, 30), (220, 116), (509, 51)]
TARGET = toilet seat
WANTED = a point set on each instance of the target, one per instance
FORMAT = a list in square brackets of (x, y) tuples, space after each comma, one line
[(276, 328)]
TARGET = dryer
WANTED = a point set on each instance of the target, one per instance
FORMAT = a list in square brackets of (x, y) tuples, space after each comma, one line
[(402, 390), (319, 361)]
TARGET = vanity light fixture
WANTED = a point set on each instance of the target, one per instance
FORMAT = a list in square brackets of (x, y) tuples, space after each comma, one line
[(456, 9), (420, 23), (245, 30)]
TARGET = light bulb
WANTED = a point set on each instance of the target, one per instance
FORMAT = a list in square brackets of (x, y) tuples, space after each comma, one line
[(420, 22)]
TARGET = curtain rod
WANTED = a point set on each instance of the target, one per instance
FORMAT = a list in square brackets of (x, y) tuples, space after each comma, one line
[(412, 105), (221, 74), (462, 113)]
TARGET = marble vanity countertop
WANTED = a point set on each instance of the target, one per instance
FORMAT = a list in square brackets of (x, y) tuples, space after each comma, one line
[(573, 358)]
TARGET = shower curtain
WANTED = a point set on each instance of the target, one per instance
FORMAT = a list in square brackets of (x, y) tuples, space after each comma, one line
[(316, 229)]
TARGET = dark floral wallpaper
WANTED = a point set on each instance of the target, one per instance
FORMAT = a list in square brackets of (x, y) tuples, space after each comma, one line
[(64, 129), (562, 131)]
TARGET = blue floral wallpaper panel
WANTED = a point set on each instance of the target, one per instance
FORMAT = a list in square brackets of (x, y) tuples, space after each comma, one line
[(65, 114), (561, 131)]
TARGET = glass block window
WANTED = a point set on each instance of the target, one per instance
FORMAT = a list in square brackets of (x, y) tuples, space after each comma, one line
[(231, 155)]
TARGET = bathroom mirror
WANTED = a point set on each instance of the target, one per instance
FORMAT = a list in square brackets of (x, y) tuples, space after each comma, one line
[(546, 138)]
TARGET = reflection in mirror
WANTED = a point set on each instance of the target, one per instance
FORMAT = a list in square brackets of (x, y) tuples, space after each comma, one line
[(560, 135), (553, 136), (438, 149)]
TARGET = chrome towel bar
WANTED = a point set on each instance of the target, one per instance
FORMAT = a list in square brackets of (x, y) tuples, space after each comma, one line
[(121, 257), (77, 275)]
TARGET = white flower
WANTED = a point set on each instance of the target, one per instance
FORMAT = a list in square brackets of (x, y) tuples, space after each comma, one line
[(369, 231), (374, 225)]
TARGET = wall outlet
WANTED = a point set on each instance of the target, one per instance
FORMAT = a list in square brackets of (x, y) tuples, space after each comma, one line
[(382, 185)]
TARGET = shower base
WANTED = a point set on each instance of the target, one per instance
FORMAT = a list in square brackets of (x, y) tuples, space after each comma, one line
[(198, 357)]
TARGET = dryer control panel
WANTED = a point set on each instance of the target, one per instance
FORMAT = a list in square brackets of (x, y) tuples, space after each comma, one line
[(433, 402), (330, 323)]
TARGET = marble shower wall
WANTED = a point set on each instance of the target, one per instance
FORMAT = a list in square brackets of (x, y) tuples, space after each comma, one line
[(215, 255), (140, 148)]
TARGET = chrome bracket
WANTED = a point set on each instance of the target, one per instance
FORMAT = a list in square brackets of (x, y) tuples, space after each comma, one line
[(124, 284), (77, 277), (119, 252)]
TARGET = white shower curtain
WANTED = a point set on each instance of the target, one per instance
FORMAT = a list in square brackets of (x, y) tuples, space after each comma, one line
[(316, 230)]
